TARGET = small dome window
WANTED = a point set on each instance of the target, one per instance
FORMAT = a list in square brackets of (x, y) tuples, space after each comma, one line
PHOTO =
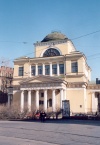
[(51, 52)]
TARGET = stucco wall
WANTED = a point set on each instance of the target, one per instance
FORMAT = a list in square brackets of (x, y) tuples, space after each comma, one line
[(76, 98)]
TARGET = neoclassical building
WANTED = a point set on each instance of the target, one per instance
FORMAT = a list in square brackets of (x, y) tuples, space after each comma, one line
[(57, 72)]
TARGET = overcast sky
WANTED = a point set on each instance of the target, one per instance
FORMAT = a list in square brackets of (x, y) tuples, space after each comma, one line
[(23, 22)]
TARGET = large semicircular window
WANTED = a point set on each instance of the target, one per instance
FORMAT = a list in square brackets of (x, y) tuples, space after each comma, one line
[(51, 52)]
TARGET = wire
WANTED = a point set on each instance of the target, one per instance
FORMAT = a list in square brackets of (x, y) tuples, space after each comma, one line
[(15, 42), (86, 35), (43, 48)]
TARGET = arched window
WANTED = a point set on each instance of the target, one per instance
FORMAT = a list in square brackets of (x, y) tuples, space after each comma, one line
[(51, 52)]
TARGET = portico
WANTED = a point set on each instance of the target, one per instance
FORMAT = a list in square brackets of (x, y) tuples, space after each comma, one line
[(44, 91)]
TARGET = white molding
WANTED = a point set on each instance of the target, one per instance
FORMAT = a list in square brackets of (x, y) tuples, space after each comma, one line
[(75, 89)]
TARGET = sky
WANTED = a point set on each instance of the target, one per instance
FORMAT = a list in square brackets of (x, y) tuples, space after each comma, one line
[(24, 22)]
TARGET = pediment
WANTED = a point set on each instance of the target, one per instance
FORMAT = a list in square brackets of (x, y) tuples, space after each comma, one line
[(41, 79)]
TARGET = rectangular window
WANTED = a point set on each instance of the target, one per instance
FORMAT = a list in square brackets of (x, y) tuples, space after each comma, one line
[(39, 70), (41, 102), (54, 69), (42, 94), (21, 71), (61, 68), (47, 69), (74, 67), (33, 70)]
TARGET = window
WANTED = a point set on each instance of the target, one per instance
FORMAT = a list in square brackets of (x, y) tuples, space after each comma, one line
[(39, 70), (41, 102), (33, 70), (61, 68), (50, 102), (21, 71), (74, 67), (54, 69), (42, 94), (51, 52), (47, 69)]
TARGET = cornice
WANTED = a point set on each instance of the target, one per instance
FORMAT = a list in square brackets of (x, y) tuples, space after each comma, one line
[(50, 42), (93, 86), (77, 85)]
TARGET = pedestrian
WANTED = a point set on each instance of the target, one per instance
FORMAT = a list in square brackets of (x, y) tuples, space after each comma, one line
[(42, 116)]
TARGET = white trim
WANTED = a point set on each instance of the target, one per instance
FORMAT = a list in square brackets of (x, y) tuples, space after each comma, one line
[(53, 101), (75, 89), (22, 101), (43, 88), (92, 91), (45, 100), (29, 100)]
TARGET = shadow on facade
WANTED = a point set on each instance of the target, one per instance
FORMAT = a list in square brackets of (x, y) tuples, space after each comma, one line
[(3, 98)]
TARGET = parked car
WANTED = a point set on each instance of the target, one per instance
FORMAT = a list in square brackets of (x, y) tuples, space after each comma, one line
[(94, 117), (37, 115), (79, 116)]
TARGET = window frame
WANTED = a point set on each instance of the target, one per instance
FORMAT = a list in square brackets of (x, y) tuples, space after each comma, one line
[(33, 71), (40, 70), (60, 71), (54, 69), (21, 72), (47, 70), (74, 67)]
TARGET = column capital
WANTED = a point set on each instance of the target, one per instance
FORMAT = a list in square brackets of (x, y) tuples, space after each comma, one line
[(22, 91), (61, 89)]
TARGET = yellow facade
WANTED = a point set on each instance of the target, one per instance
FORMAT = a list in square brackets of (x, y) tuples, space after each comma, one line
[(57, 66)]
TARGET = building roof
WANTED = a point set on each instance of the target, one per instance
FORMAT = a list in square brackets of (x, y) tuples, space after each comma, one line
[(54, 36)]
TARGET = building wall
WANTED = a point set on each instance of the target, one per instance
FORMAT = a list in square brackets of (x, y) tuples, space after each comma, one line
[(89, 101), (80, 98), (76, 98)]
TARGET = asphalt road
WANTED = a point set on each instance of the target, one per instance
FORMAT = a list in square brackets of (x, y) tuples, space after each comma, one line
[(60, 132)]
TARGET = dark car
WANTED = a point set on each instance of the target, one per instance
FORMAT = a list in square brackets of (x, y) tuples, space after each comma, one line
[(79, 116)]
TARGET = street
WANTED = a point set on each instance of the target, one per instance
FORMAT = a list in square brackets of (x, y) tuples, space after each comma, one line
[(52, 132)]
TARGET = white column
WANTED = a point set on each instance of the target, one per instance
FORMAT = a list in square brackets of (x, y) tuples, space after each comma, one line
[(36, 69), (8, 100), (22, 101), (61, 97), (94, 103), (43, 66), (50, 69), (58, 69), (45, 100), (85, 99), (65, 98), (30, 70), (37, 99), (53, 101), (29, 100)]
